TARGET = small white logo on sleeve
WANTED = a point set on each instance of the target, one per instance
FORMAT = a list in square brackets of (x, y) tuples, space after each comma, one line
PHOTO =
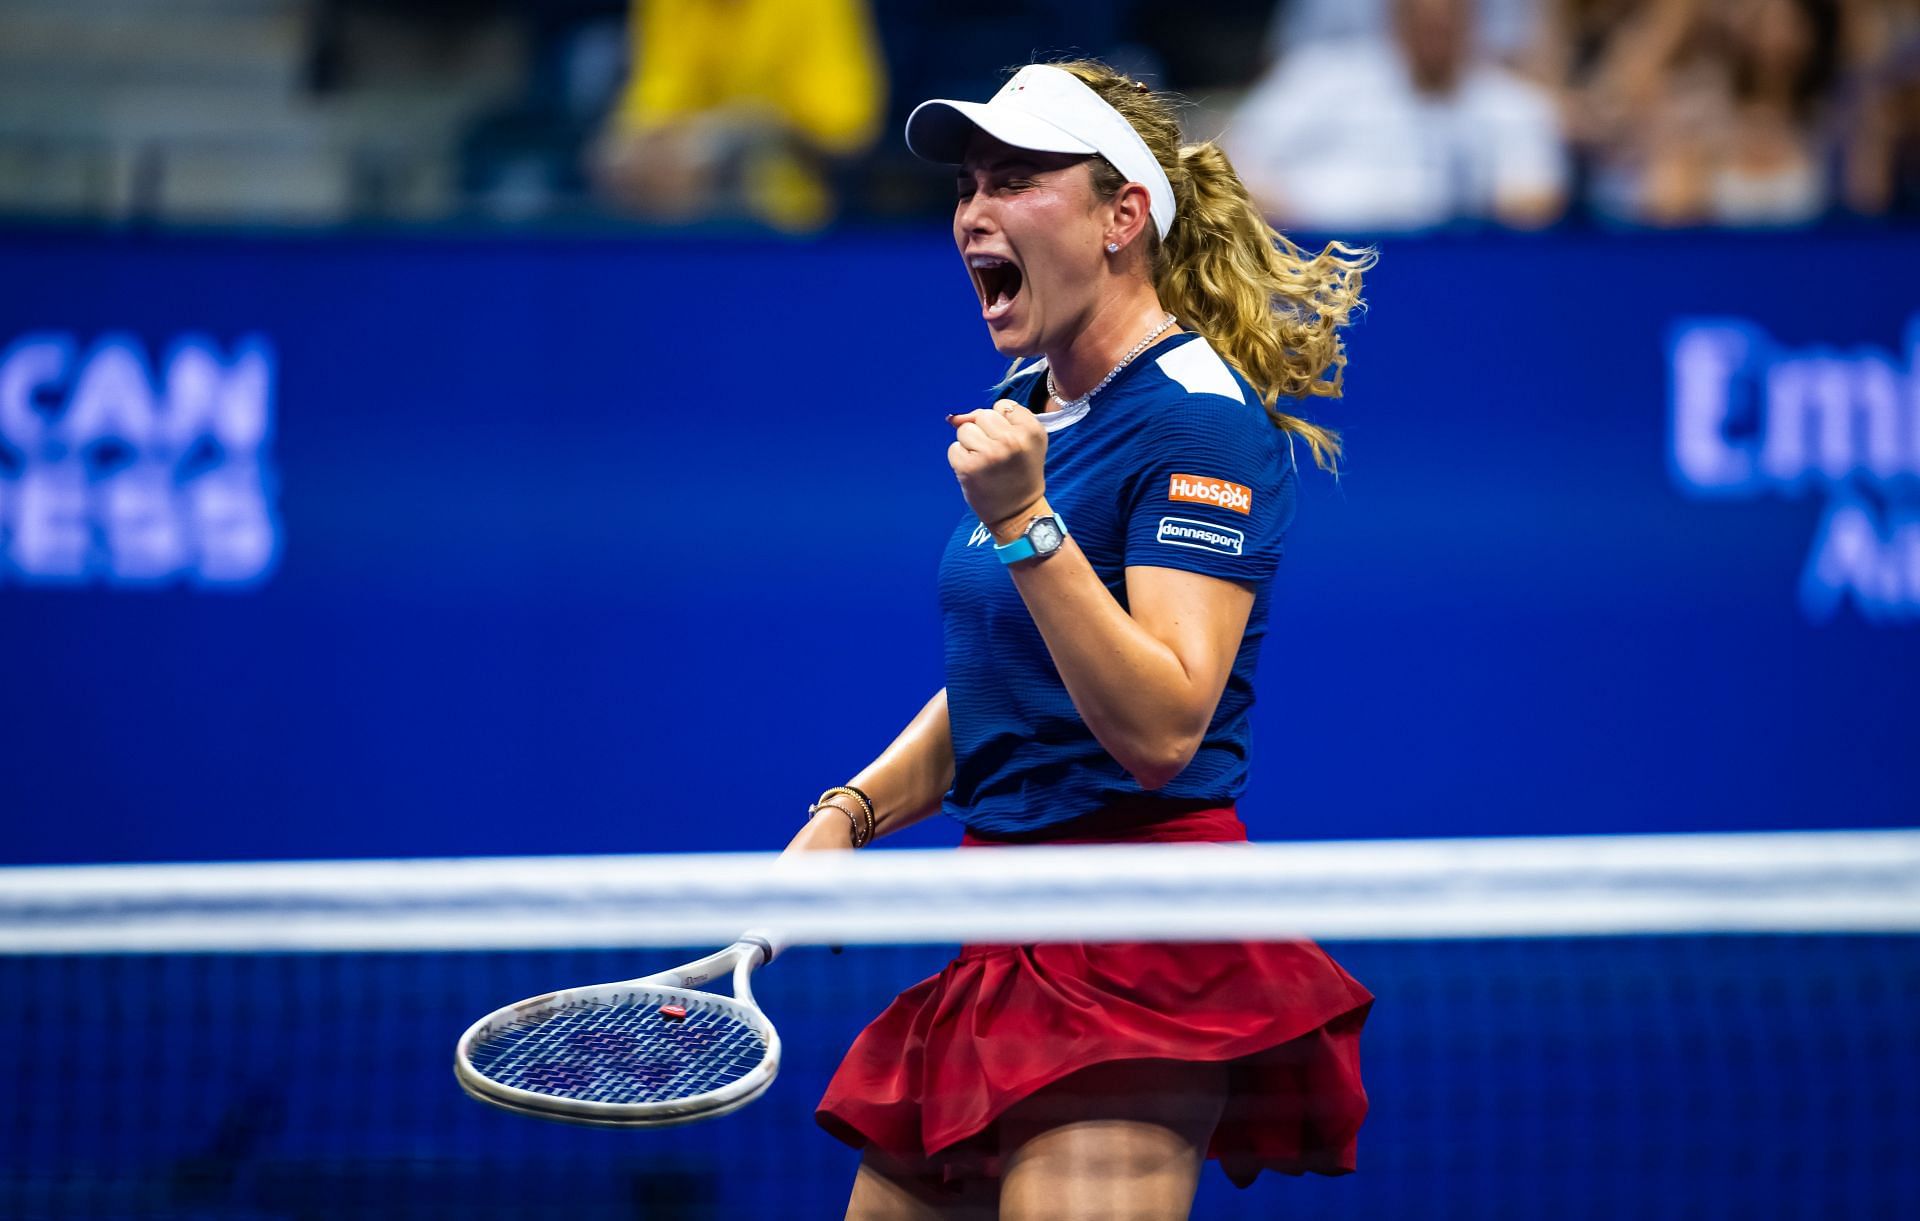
[(1186, 532), (980, 535)]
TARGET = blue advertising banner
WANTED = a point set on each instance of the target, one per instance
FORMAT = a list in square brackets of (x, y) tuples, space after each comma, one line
[(354, 546)]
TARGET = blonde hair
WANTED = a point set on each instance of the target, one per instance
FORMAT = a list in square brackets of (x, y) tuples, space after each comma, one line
[(1269, 308)]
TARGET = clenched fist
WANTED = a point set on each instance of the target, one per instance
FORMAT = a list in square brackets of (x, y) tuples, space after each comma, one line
[(999, 455)]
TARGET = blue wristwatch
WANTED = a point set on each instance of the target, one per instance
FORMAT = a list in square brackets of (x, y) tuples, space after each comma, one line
[(1041, 539)]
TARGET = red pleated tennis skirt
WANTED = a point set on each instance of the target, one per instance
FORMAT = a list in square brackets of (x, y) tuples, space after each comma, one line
[(928, 1080)]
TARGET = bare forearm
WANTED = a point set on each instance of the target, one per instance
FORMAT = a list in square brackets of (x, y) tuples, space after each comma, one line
[(905, 783), (1129, 687)]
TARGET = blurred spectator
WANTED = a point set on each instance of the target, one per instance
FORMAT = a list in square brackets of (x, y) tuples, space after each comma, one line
[(1506, 29), (1879, 108), (1414, 128), (740, 107), (1781, 60), (1708, 111)]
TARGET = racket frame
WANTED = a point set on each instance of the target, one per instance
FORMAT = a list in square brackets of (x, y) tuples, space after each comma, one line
[(679, 985)]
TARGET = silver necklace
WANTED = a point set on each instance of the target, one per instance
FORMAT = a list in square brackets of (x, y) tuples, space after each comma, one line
[(1053, 387)]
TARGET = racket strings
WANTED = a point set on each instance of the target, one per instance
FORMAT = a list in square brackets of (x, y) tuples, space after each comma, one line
[(620, 1050)]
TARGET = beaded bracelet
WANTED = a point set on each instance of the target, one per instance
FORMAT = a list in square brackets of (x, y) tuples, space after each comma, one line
[(860, 840), (857, 831), (866, 804), (853, 820), (866, 808)]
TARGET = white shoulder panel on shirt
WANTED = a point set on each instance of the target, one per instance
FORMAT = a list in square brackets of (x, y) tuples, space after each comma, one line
[(1199, 369), (1017, 372)]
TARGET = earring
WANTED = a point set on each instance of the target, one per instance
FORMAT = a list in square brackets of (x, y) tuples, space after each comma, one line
[(1113, 247)]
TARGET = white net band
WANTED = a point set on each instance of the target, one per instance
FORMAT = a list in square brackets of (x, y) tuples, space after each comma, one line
[(1822, 881)]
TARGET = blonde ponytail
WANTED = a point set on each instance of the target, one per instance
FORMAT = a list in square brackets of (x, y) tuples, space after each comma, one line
[(1269, 308)]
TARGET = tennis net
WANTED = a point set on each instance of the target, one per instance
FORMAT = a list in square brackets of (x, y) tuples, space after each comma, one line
[(1688, 1026)]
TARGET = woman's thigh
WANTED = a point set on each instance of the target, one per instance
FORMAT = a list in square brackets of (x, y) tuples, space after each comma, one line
[(1116, 1142), (885, 1189)]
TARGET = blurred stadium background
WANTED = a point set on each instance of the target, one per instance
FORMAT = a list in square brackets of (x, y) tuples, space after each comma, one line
[(441, 428)]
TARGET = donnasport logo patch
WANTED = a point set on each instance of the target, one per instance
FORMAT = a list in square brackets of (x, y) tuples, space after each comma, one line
[(1186, 532), (1201, 490)]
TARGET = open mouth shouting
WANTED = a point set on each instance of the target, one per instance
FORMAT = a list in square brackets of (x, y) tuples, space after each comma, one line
[(998, 282)]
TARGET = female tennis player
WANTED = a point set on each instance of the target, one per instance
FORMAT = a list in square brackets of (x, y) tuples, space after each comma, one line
[(1105, 600)]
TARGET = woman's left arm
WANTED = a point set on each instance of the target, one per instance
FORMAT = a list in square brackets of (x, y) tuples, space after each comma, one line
[(1146, 682)]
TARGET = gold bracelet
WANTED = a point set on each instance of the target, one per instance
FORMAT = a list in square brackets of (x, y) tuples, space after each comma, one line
[(857, 830), (866, 805), (853, 820)]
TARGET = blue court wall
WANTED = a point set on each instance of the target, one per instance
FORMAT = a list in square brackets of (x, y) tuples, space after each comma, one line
[(344, 546)]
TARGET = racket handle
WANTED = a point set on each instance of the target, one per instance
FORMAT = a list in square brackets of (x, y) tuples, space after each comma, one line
[(770, 941)]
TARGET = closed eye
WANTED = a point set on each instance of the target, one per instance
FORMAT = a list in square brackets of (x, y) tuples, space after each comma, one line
[(966, 186)]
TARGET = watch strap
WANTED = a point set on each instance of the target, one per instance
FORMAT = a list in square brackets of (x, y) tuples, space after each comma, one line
[(1012, 553), (1022, 548)]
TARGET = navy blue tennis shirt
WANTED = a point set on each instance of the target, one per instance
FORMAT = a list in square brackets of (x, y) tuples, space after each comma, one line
[(1174, 465)]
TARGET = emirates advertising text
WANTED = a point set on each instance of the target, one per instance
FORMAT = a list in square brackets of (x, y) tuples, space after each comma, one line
[(128, 466), (1752, 417)]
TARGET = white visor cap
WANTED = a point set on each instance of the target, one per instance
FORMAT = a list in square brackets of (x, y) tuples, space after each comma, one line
[(1047, 110)]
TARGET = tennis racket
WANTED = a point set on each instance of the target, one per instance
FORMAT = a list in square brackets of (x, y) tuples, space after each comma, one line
[(641, 1053)]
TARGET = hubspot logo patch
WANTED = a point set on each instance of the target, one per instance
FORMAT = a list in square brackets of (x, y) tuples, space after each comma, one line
[(1201, 490)]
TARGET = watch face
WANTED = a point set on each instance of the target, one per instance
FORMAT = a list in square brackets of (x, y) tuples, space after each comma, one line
[(1045, 535)]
